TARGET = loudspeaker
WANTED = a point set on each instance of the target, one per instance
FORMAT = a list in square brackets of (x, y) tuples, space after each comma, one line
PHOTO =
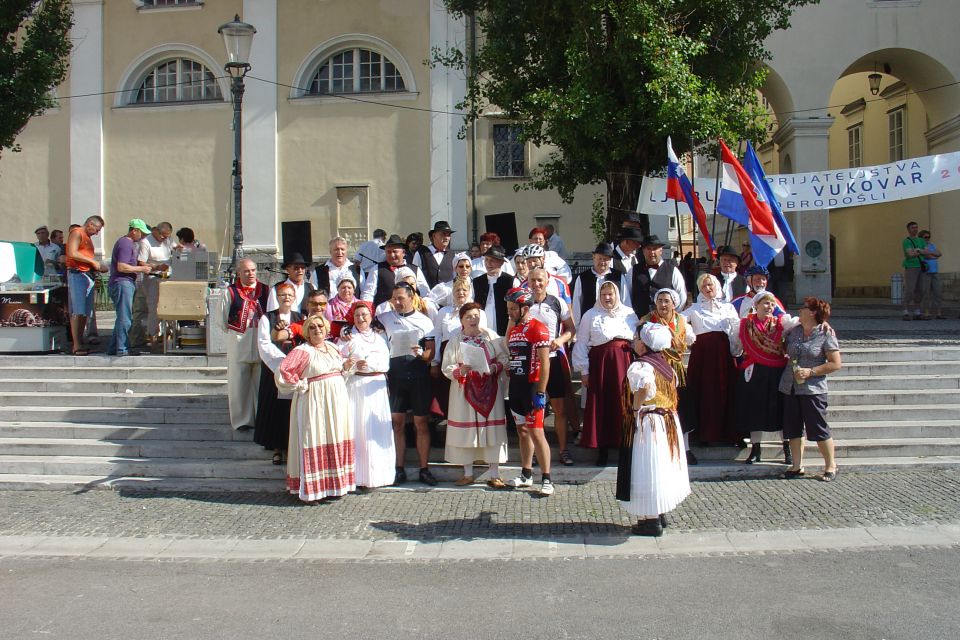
[(505, 226), (296, 238)]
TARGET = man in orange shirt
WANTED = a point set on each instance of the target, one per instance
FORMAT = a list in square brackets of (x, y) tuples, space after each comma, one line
[(82, 267)]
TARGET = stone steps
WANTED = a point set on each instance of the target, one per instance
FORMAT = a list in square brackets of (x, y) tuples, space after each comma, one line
[(906, 382), (896, 429), (853, 369), (913, 353), (147, 387), (184, 402), (124, 448), (117, 415), (99, 360), (873, 413), (893, 399), (176, 432), (35, 370)]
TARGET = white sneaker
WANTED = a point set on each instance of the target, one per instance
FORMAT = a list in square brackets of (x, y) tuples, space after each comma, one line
[(520, 482), (546, 489)]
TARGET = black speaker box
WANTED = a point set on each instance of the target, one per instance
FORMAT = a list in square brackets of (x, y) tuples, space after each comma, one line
[(296, 238), (505, 226)]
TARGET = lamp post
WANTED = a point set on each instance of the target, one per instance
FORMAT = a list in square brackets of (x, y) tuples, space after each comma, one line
[(237, 38)]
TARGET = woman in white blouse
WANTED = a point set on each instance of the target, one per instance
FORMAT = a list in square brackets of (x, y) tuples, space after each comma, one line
[(711, 371), (447, 326), (462, 268), (602, 354)]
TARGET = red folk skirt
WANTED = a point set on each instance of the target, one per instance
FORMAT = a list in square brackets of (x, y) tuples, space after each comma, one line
[(603, 417), (710, 383)]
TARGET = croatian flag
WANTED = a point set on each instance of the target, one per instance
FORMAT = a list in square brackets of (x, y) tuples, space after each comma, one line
[(742, 201), (680, 189)]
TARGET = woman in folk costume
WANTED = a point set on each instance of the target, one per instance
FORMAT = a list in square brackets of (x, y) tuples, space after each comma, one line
[(652, 476), (711, 371), (476, 420), (275, 339), (758, 404), (665, 313), (446, 327), (367, 360), (462, 268), (321, 455), (602, 353)]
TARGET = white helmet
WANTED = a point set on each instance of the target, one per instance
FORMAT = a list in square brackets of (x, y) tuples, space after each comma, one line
[(533, 251)]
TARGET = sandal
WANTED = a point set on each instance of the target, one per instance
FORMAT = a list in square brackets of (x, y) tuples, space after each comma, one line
[(791, 474), (565, 458), (464, 481), (278, 458), (829, 476), (496, 483), (81, 352)]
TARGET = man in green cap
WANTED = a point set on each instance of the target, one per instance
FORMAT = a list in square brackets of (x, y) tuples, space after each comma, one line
[(123, 283)]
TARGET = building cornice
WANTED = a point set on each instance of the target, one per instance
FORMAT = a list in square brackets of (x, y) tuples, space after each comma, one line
[(943, 132), (818, 127)]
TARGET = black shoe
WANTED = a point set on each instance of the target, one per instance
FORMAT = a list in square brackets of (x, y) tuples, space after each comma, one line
[(602, 457), (664, 523), (739, 443), (692, 459), (427, 478), (651, 527), (400, 477), (787, 454), (754, 454)]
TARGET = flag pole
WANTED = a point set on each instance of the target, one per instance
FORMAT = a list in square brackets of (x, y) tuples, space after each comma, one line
[(693, 187)]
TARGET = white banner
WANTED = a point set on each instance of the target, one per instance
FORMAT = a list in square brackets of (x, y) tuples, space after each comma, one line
[(835, 189)]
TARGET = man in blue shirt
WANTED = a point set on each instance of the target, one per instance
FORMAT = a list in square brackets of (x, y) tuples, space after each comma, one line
[(932, 289), (122, 284)]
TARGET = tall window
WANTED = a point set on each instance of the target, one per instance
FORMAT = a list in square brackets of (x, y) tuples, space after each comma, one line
[(170, 3), (178, 80), (897, 143), (508, 151), (356, 71), (855, 145)]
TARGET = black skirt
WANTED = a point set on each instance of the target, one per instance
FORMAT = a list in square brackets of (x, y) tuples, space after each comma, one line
[(758, 404), (272, 426)]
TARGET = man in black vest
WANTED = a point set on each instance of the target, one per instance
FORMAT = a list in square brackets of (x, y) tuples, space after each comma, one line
[(326, 276), (243, 307), (732, 284), (625, 249), (588, 284), (651, 276), (490, 289), (436, 259), (296, 267), (378, 287)]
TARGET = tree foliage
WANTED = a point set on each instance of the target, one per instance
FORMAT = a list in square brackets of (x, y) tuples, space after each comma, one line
[(606, 81), (33, 60)]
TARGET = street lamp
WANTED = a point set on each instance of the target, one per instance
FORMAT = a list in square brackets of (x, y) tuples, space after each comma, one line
[(237, 38)]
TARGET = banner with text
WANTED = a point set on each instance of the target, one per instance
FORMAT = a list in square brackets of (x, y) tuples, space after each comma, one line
[(835, 189)]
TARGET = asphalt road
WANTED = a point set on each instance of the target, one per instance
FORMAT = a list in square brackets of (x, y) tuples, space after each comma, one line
[(893, 593)]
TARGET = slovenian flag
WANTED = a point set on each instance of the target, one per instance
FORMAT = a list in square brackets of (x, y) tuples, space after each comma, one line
[(680, 189), (743, 202), (21, 260)]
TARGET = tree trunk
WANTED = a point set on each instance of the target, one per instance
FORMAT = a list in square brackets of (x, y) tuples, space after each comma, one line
[(623, 191)]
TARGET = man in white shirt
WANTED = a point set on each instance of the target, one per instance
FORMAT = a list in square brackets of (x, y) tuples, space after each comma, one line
[(490, 289), (554, 242), (327, 275), (156, 250), (371, 252), (378, 285), (587, 287), (296, 267), (49, 252), (410, 336), (625, 249), (732, 284), (436, 259), (651, 276)]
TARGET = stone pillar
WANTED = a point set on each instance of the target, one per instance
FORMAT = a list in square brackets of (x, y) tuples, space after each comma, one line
[(86, 116), (448, 153), (260, 225), (804, 140)]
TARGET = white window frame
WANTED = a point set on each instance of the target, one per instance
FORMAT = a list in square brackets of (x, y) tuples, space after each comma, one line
[(855, 145), (315, 60), (493, 154), (358, 73), (180, 84), (897, 149), (126, 91), (148, 6)]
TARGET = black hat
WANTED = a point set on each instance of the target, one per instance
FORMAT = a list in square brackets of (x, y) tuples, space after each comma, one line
[(394, 239), (632, 217), (652, 241), (604, 249), (496, 251), (293, 258), (630, 233), (727, 250), (441, 225)]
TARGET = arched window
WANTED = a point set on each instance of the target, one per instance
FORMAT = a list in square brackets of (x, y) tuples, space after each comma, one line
[(177, 80), (356, 71)]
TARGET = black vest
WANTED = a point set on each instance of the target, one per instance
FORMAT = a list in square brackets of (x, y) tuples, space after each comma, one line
[(643, 288), (236, 301), (323, 277), (435, 273), (272, 316), (481, 289), (588, 287), (385, 282)]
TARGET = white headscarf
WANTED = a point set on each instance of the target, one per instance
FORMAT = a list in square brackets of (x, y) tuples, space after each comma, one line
[(713, 303), (673, 294), (402, 273), (618, 307), (463, 255), (656, 336), (763, 293)]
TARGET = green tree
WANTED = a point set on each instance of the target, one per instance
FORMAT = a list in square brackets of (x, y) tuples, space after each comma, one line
[(33, 60), (606, 81)]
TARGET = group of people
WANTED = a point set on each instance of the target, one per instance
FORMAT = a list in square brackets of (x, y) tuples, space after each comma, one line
[(326, 365)]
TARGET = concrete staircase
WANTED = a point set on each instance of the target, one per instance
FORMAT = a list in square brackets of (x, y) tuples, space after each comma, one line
[(161, 422)]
